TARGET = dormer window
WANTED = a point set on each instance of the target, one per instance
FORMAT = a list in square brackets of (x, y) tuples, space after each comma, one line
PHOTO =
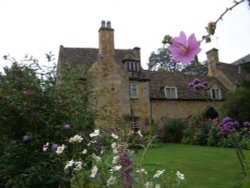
[(132, 66), (170, 92), (215, 93)]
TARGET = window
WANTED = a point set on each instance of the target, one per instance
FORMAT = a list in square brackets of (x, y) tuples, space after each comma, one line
[(170, 92), (135, 123), (133, 66), (215, 93), (133, 91)]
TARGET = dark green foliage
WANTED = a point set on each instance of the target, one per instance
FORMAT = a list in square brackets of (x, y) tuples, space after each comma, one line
[(196, 131), (173, 130), (237, 105), (196, 69), (213, 138), (32, 104)]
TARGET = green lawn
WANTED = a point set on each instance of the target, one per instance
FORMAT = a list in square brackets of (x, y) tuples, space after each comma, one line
[(204, 167)]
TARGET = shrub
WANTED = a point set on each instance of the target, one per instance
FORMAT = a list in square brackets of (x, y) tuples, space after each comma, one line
[(173, 130), (197, 131), (237, 104), (213, 138), (33, 110)]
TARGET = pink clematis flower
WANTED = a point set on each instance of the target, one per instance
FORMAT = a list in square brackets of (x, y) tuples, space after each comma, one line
[(183, 49)]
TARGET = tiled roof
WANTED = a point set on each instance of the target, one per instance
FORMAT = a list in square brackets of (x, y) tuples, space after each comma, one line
[(232, 72), (85, 56), (88, 56), (245, 59), (158, 80)]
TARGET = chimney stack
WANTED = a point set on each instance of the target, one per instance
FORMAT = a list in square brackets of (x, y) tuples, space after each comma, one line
[(213, 59), (106, 39)]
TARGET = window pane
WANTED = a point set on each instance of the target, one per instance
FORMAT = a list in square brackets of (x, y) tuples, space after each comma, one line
[(170, 92), (133, 91), (215, 93), (129, 66)]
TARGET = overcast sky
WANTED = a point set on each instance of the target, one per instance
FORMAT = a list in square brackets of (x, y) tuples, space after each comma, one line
[(36, 27)]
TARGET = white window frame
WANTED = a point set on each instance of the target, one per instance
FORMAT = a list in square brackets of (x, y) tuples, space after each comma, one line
[(132, 66), (215, 93), (133, 91), (135, 123), (170, 92)]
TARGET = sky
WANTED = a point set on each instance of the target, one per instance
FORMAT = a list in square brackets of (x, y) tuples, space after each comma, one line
[(35, 27)]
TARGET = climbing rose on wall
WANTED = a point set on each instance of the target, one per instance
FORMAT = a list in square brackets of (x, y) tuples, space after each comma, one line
[(183, 49)]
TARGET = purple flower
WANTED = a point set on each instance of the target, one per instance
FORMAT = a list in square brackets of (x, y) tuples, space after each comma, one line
[(226, 119), (196, 81), (67, 126), (13, 142), (26, 138), (227, 126), (248, 2), (126, 161), (183, 49), (190, 85), (205, 84), (247, 123), (198, 85), (55, 146)]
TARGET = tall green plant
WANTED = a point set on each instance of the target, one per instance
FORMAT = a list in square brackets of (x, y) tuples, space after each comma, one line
[(33, 110)]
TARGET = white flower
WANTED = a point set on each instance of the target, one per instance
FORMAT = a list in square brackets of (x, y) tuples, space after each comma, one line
[(148, 184), (114, 145), (115, 159), (139, 133), (142, 170), (94, 171), (95, 133), (84, 151), (114, 136), (180, 175), (46, 146), (78, 165), (158, 173), (76, 138), (60, 149), (115, 151), (95, 157), (111, 180), (69, 164), (92, 141), (116, 168), (157, 186)]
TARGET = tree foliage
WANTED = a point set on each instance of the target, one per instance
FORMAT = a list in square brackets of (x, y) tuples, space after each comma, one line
[(161, 60), (237, 105)]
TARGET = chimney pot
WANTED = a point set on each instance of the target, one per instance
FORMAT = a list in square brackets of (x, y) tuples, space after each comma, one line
[(103, 24), (108, 24)]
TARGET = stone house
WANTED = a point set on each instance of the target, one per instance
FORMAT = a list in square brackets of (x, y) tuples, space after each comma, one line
[(140, 97)]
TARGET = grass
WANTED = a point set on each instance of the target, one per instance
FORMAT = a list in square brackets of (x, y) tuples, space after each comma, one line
[(204, 167)]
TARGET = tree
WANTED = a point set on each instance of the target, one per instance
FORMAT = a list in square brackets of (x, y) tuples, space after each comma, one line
[(196, 69), (237, 105), (161, 60)]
